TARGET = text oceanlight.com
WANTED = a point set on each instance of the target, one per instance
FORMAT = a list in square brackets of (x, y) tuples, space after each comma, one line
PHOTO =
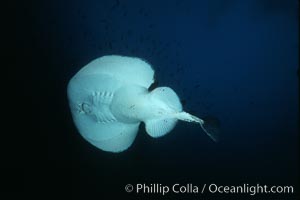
[(157, 188)]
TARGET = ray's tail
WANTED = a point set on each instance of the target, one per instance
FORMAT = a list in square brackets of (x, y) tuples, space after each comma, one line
[(210, 125)]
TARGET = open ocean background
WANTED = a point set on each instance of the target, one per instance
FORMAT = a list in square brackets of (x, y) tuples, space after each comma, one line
[(236, 60)]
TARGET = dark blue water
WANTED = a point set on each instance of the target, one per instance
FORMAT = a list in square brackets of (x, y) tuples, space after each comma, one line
[(235, 60)]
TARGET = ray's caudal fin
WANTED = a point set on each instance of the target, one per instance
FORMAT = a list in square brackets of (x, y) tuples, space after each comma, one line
[(210, 125)]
